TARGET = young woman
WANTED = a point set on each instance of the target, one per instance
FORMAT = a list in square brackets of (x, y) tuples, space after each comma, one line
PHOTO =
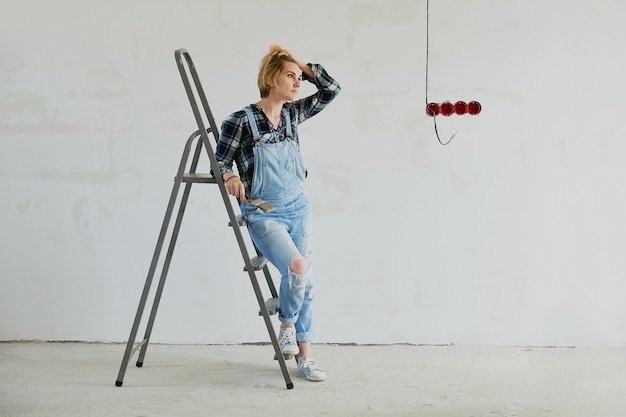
[(262, 139)]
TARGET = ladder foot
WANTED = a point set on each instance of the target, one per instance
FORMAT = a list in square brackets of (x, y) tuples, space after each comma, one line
[(139, 364), (290, 385), (118, 383)]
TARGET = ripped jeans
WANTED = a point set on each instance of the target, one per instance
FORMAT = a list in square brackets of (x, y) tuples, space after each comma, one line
[(282, 236)]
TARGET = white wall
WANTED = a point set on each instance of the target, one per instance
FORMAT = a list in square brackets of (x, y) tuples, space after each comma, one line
[(512, 234)]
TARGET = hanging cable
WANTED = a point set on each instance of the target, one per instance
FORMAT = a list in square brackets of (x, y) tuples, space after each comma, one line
[(427, 59)]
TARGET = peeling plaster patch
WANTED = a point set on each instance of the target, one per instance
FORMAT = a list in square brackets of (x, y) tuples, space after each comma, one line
[(33, 114), (337, 188), (86, 177), (105, 82), (22, 108), (89, 216), (76, 98), (23, 207), (18, 66), (459, 181), (44, 104), (59, 238), (393, 310)]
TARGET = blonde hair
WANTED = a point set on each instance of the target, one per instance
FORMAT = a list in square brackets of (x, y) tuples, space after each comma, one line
[(271, 66)]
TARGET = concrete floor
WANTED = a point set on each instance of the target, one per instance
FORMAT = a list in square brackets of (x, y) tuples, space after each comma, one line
[(78, 379)]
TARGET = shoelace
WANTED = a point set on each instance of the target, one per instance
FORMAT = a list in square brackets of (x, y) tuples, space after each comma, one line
[(288, 337), (311, 365)]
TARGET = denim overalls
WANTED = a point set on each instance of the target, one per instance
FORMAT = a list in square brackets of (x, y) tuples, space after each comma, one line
[(286, 232)]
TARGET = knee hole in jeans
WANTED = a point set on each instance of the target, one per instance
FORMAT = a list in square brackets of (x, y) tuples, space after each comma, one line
[(299, 265)]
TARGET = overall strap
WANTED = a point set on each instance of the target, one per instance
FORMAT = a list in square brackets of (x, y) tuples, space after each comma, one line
[(288, 121), (252, 121)]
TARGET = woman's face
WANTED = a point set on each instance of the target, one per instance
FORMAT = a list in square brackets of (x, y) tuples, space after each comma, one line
[(288, 81)]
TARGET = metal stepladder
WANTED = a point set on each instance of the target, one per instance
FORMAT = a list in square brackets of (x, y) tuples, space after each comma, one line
[(190, 177)]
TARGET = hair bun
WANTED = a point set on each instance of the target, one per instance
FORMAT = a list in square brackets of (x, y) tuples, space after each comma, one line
[(279, 51)]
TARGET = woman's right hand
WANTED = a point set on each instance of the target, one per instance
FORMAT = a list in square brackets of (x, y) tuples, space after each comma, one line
[(235, 187)]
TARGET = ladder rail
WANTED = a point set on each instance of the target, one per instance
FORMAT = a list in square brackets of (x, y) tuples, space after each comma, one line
[(130, 349), (183, 56), (172, 244), (268, 277)]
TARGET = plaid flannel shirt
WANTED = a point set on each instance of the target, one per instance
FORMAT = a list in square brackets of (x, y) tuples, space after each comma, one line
[(236, 143)]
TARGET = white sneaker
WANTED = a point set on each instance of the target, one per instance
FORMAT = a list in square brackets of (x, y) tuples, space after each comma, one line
[(310, 370), (287, 341)]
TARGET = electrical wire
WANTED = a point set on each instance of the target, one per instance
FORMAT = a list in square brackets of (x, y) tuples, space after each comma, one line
[(427, 59)]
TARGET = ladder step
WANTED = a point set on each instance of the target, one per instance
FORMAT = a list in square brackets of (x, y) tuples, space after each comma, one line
[(240, 221), (272, 306), (199, 178), (258, 263)]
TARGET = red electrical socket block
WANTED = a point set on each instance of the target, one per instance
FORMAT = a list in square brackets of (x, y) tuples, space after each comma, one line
[(446, 108)]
